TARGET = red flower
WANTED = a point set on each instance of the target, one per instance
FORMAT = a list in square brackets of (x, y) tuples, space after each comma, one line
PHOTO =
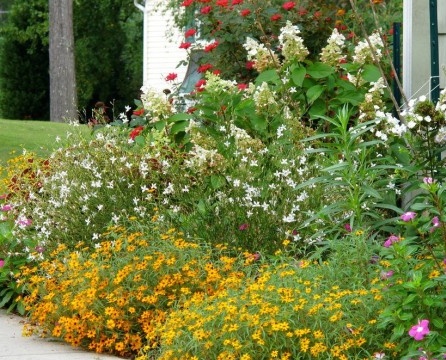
[(250, 65), (317, 14), (190, 32), (351, 35), (211, 46), (203, 68), (236, 2), (245, 12), (216, 72), (185, 45), (171, 77), (276, 17), (187, 2), (136, 131), (302, 11), (200, 84), (191, 110), (222, 3), (206, 10), (289, 5), (138, 112), (242, 86)]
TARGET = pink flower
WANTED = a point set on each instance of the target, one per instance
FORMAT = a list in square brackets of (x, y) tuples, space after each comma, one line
[(435, 223), (419, 331), (2, 263), (6, 207), (386, 274), (289, 5), (408, 216), (243, 227), (171, 77), (428, 180), (348, 228), (23, 222), (276, 17), (390, 240)]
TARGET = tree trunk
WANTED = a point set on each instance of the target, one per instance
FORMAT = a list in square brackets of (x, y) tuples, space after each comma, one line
[(63, 100)]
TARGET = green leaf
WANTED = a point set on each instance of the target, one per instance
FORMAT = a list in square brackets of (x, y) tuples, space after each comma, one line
[(314, 92), (420, 206), (319, 70), (6, 298), (371, 73), (160, 125), (268, 76), (217, 181), (318, 108), (259, 123), (371, 192), (20, 308), (180, 117), (438, 323), (140, 140), (409, 299), (298, 75), (179, 126)]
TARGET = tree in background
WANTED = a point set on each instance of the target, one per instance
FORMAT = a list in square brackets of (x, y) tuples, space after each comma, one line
[(24, 80), (63, 98), (108, 51)]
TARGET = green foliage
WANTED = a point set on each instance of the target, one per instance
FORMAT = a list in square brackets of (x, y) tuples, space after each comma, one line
[(24, 62), (108, 49), (416, 263)]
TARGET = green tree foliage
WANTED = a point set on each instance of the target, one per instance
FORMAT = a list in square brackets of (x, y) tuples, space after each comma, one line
[(24, 77), (108, 40)]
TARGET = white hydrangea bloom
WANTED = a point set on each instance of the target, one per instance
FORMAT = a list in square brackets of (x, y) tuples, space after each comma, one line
[(156, 103), (292, 44), (363, 52), (264, 96), (332, 53)]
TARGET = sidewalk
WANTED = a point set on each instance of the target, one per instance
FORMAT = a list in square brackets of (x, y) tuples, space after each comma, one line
[(13, 346)]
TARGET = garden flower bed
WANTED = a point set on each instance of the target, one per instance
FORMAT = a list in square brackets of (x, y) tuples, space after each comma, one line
[(291, 217)]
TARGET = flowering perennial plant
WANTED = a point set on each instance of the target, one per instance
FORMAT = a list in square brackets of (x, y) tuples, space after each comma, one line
[(73, 297)]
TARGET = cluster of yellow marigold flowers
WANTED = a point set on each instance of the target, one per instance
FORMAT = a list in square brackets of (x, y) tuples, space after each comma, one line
[(74, 298), (277, 314)]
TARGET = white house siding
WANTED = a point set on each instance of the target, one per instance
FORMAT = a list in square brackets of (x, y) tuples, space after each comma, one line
[(442, 41), (161, 48), (416, 46)]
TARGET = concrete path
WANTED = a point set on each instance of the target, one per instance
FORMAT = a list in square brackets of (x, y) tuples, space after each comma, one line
[(13, 346)]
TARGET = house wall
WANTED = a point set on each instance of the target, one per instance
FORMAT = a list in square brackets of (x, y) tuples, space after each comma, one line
[(161, 48), (416, 47)]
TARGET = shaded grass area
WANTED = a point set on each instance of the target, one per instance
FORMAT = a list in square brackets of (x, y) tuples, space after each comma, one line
[(33, 136)]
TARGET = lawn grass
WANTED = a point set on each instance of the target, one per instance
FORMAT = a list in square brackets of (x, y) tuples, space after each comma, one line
[(33, 136)]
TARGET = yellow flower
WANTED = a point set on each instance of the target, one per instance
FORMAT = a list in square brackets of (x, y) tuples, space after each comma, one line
[(434, 273)]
